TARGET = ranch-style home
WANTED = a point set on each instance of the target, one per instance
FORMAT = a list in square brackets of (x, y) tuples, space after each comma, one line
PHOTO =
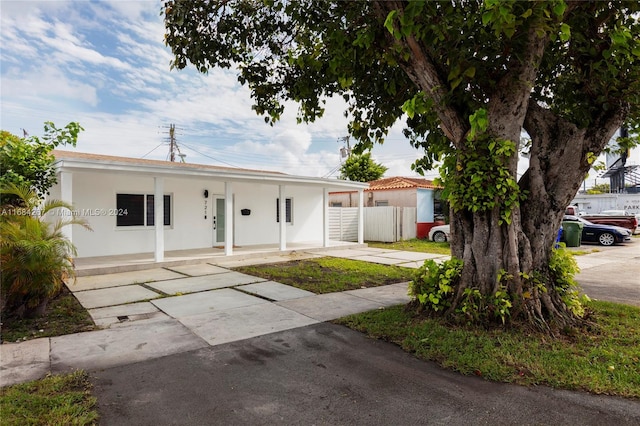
[(198, 206)]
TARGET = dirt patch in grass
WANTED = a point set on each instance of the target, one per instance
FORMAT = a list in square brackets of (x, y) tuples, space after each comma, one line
[(64, 315)]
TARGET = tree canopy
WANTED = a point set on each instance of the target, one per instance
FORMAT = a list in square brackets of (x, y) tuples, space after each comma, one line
[(469, 77), (361, 168)]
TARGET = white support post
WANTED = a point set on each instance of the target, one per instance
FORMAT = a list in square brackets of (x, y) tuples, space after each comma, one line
[(66, 195), (283, 217), (158, 217), (360, 216), (228, 218), (325, 216)]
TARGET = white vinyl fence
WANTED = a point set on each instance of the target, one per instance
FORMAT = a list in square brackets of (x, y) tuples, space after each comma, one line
[(385, 224)]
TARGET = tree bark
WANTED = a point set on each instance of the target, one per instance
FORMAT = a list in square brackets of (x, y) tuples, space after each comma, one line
[(559, 162)]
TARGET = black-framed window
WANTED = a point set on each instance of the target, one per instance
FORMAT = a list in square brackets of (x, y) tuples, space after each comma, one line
[(140, 210), (288, 208), (133, 204), (151, 210)]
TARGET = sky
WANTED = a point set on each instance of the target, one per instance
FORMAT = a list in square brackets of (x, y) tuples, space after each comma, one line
[(104, 64)]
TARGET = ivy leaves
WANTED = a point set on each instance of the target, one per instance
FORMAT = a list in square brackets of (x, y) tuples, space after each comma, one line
[(478, 178)]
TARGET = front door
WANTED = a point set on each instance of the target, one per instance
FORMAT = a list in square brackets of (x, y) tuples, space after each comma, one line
[(218, 220)]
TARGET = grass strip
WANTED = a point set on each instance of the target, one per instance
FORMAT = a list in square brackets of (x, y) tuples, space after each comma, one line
[(329, 274), (423, 246), (603, 359), (54, 400)]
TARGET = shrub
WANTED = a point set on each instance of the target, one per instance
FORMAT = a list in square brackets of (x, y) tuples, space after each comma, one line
[(36, 257)]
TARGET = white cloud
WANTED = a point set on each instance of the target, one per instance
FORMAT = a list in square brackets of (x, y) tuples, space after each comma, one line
[(45, 87), (104, 65)]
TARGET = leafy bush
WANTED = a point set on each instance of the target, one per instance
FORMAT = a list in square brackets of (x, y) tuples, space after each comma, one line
[(433, 285), (563, 267), (28, 161), (434, 289), (35, 255)]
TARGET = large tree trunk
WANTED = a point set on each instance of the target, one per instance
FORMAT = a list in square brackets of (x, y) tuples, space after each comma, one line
[(500, 253)]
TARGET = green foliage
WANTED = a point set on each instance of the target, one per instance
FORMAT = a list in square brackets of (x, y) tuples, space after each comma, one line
[(434, 288), (54, 400), (35, 255), (28, 161), (601, 188), (433, 285), (306, 51), (563, 267), (361, 168), (478, 179), (63, 315)]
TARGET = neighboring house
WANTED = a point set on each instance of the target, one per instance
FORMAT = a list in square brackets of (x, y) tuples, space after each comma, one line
[(398, 192), (199, 206)]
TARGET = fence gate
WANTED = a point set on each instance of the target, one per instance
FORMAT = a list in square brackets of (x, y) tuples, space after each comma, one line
[(385, 224)]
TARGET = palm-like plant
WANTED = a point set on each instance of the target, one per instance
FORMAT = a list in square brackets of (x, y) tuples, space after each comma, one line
[(35, 255)]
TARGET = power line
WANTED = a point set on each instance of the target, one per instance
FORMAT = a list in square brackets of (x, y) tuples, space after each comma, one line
[(208, 156), (159, 145)]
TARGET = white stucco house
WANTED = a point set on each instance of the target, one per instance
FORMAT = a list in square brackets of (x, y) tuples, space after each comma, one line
[(199, 206)]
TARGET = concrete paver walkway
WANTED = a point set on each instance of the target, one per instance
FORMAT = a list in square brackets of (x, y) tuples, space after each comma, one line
[(162, 311), (152, 313)]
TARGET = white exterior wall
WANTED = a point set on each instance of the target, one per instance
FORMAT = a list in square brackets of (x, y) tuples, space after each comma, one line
[(261, 227), (96, 192), (94, 199)]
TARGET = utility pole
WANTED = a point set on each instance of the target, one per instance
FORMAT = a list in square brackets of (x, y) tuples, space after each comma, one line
[(345, 152), (172, 143)]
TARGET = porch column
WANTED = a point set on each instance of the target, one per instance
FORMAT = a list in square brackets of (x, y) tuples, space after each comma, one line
[(283, 217), (228, 217), (325, 216), (158, 217), (360, 216), (66, 195)]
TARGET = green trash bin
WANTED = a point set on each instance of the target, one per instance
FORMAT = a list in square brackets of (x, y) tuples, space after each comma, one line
[(572, 232)]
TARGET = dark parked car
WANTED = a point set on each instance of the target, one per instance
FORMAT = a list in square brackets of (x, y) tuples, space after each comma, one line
[(605, 235)]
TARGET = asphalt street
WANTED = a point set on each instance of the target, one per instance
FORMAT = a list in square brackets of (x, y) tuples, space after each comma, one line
[(325, 374)]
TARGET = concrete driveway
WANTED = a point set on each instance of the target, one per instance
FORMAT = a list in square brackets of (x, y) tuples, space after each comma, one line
[(611, 273)]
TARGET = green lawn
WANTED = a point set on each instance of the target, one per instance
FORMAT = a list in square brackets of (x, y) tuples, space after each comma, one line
[(54, 400), (329, 274), (415, 244)]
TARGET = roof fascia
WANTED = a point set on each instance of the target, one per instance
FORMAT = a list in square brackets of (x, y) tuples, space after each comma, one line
[(239, 176)]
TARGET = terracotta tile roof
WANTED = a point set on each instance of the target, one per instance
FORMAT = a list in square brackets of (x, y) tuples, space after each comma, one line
[(72, 155), (398, 182)]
